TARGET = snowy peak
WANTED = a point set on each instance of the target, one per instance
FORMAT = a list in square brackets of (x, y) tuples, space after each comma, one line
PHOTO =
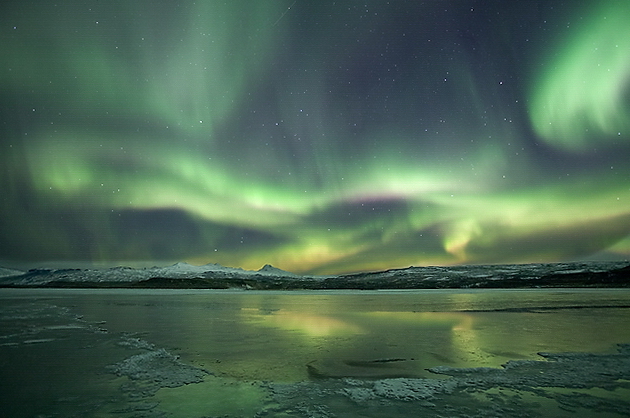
[(269, 269)]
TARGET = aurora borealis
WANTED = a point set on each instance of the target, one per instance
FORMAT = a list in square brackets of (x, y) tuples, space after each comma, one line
[(317, 136)]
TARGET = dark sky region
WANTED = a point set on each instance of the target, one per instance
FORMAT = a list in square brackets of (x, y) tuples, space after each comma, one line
[(319, 136)]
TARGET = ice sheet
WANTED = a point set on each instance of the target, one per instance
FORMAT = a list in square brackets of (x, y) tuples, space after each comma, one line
[(315, 354)]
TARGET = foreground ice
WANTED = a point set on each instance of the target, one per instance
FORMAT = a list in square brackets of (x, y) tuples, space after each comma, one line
[(560, 384), (522, 388), (56, 363)]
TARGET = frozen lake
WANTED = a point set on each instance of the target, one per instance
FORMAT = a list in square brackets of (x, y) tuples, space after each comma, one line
[(200, 353)]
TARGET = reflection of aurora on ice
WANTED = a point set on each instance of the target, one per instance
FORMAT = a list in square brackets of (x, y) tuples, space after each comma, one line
[(316, 354), (457, 136)]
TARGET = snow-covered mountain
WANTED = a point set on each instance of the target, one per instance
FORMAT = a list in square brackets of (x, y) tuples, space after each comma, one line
[(125, 275), (215, 276)]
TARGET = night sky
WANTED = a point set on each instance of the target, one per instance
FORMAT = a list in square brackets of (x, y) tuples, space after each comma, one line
[(318, 136)]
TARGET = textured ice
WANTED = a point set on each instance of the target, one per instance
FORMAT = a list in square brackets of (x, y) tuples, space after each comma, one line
[(159, 367), (572, 383), (474, 392), (412, 389), (566, 370)]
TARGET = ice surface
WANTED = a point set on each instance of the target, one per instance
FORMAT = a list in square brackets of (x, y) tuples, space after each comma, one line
[(488, 392), (94, 369), (566, 370)]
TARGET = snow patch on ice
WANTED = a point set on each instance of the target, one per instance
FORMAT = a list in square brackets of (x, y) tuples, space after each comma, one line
[(405, 389), (159, 367)]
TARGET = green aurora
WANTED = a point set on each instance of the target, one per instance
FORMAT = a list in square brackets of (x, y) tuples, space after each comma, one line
[(320, 137)]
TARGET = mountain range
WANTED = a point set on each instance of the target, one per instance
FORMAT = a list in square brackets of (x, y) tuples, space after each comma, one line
[(215, 276)]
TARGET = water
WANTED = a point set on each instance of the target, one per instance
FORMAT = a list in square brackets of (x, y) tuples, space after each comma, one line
[(158, 353)]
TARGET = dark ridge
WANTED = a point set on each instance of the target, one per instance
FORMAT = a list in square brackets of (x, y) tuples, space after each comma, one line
[(415, 278)]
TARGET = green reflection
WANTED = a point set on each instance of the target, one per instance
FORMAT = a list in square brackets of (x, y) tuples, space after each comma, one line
[(213, 397), (243, 338), (309, 324)]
